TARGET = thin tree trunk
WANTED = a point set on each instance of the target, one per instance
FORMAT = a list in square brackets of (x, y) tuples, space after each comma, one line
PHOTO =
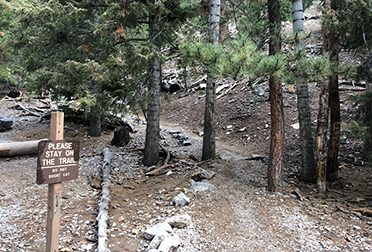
[(209, 142), (334, 106), (303, 104), (276, 104), (95, 125), (321, 134), (151, 154)]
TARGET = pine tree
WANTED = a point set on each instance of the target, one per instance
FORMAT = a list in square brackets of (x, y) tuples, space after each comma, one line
[(96, 53)]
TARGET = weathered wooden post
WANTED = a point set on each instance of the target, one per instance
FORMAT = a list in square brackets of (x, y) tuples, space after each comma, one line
[(58, 161), (54, 190)]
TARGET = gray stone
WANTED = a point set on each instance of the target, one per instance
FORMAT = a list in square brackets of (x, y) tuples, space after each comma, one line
[(201, 174), (5, 123), (179, 221), (186, 143), (181, 136), (155, 242), (201, 186), (181, 200), (159, 229), (170, 244)]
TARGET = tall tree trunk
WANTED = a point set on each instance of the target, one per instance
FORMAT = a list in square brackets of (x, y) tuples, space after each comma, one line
[(95, 122), (276, 104), (334, 106), (321, 132), (303, 104), (209, 142), (151, 154)]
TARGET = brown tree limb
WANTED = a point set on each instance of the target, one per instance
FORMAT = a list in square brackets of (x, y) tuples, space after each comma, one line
[(363, 211), (165, 165)]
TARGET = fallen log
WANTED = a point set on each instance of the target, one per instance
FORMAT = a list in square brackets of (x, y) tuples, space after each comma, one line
[(19, 148), (104, 202)]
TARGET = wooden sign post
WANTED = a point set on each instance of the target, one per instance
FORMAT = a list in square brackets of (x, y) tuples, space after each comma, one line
[(58, 160), (54, 190)]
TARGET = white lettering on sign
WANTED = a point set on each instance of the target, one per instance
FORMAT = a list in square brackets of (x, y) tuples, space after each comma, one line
[(58, 155), (53, 153), (66, 161), (58, 146)]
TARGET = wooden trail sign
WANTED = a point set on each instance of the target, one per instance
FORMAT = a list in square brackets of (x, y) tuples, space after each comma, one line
[(57, 161)]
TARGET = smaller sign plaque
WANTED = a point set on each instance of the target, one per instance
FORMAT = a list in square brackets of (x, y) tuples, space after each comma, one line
[(58, 160)]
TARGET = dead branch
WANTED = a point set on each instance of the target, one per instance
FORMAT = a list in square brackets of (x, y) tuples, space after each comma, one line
[(363, 211), (194, 84), (228, 90), (352, 89), (20, 106), (105, 200)]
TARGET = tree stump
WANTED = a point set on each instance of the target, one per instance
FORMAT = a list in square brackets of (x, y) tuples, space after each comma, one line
[(121, 136)]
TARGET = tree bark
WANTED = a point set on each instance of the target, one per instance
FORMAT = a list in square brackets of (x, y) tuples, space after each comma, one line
[(276, 104), (321, 134), (95, 123), (209, 142), (303, 104), (334, 106), (151, 154)]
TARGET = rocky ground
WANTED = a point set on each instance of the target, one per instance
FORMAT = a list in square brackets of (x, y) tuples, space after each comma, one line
[(237, 215)]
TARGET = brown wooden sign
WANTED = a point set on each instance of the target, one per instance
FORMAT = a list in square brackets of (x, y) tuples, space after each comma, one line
[(58, 160)]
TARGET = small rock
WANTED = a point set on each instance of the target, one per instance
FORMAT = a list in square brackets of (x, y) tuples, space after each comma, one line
[(5, 123), (181, 200), (296, 126), (179, 221), (169, 244), (159, 229), (201, 174), (242, 129), (155, 242), (186, 143), (200, 187)]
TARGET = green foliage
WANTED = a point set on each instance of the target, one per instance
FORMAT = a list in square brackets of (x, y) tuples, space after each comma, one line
[(97, 52)]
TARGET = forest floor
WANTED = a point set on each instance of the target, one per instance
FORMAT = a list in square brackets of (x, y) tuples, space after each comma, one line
[(238, 215)]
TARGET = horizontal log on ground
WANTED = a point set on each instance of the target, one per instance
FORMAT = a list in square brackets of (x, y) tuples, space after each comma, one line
[(19, 148)]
